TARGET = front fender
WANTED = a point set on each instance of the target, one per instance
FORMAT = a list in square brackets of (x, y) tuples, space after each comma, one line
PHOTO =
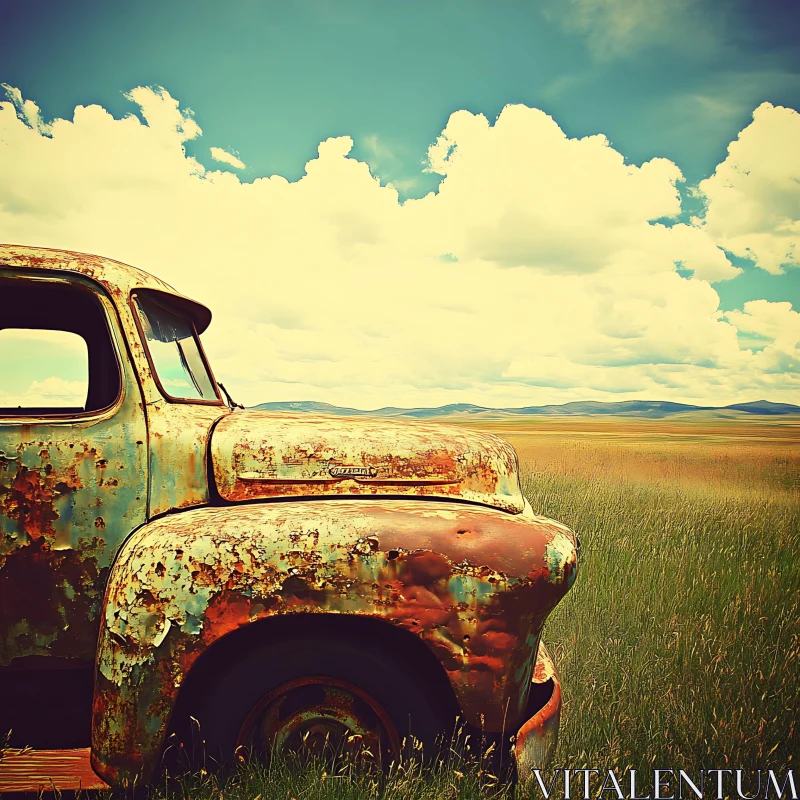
[(474, 584)]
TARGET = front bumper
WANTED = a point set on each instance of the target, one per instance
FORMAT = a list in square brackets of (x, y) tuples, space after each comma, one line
[(536, 740)]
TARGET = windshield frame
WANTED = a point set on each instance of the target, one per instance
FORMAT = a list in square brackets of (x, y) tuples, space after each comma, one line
[(159, 299)]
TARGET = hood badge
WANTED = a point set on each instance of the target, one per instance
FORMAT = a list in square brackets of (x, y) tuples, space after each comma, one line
[(297, 473), (353, 472)]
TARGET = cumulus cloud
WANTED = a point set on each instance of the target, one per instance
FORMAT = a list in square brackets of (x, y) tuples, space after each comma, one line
[(542, 270), (753, 197), (224, 157), (521, 193), (163, 114), (51, 392), (777, 324), (26, 110)]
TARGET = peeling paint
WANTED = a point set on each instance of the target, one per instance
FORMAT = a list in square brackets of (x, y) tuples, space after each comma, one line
[(207, 572), (179, 434), (258, 454)]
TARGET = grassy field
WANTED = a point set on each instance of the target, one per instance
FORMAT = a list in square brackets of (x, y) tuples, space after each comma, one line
[(679, 645)]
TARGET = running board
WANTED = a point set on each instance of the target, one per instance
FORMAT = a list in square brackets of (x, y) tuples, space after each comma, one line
[(46, 770)]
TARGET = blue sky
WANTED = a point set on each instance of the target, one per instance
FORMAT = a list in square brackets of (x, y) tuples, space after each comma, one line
[(276, 78), (269, 81)]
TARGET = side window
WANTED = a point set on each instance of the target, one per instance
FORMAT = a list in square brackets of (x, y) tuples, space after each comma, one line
[(56, 354)]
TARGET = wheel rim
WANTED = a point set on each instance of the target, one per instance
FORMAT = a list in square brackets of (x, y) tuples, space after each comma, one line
[(320, 717)]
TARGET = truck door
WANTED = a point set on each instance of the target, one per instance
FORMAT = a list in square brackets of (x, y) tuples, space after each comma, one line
[(73, 464)]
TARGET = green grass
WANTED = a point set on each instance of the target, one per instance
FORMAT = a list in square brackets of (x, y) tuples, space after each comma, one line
[(679, 645), (458, 775)]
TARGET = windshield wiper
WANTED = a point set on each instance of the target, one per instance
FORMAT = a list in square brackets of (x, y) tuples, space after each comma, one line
[(232, 404)]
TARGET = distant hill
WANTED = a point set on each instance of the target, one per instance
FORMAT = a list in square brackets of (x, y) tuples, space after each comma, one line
[(650, 409), (765, 407)]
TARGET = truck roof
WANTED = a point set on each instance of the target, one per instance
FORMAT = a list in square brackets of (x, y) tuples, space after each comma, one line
[(117, 278)]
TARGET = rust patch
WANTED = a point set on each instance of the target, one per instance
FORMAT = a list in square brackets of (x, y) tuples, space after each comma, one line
[(258, 454), (536, 740), (178, 442), (184, 581), (55, 548), (39, 613)]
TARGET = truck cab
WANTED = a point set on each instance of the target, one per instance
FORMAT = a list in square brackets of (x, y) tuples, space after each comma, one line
[(284, 579)]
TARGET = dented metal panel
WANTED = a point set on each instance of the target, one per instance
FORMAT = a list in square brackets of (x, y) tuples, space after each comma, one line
[(535, 742), (476, 585), (258, 454), (179, 434)]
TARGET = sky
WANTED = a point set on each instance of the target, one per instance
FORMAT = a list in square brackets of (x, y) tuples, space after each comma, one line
[(417, 203)]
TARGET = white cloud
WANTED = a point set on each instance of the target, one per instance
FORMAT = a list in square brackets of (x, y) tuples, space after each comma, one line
[(26, 110), (521, 193), (49, 393), (535, 273), (776, 323), (753, 197), (694, 249), (162, 113), (223, 156)]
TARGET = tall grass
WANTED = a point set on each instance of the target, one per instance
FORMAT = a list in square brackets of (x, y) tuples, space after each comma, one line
[(679, 645), (460, 773)]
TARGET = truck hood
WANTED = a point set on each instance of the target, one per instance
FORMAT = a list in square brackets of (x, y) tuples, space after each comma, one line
[(261, 454)]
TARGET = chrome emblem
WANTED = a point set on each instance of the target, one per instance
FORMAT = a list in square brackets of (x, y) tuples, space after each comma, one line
[(353, 472)]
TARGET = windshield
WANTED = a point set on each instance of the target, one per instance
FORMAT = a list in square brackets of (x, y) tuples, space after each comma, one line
[(175, 352)]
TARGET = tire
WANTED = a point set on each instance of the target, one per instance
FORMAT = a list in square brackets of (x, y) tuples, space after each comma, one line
[(236, 701)]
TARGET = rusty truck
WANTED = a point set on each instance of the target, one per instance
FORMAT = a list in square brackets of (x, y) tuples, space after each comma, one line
[(285, 579)]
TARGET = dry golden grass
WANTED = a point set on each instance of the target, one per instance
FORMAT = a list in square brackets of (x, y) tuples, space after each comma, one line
[(733, 457)]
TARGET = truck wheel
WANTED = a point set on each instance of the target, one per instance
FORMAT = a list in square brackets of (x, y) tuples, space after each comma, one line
[(320, 716), (317, 696)]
